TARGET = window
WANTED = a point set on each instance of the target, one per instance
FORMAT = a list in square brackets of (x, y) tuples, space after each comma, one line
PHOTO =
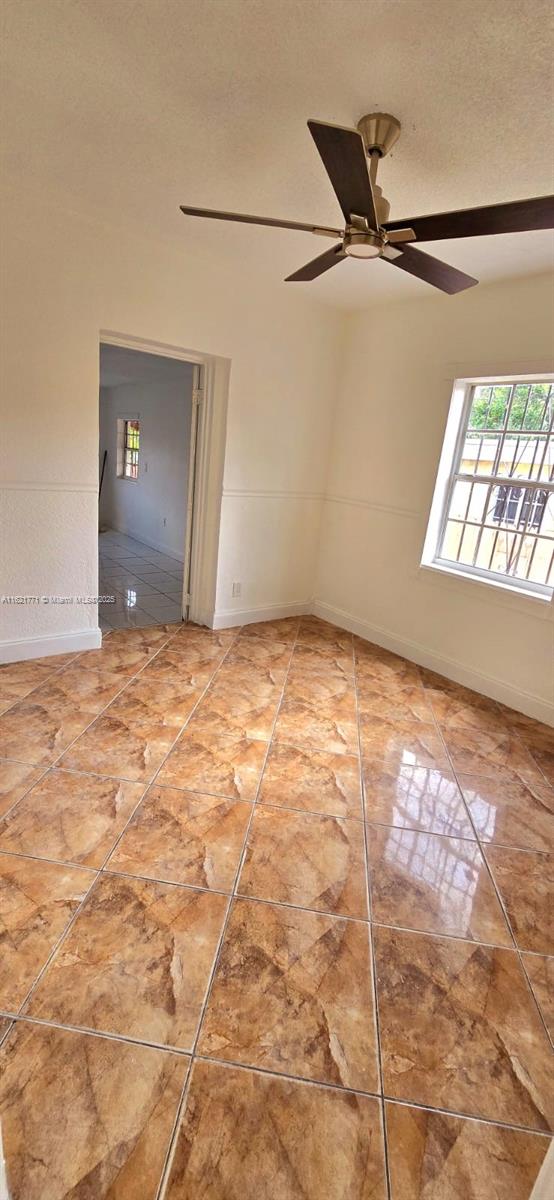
[(493, 510), (128, 438)]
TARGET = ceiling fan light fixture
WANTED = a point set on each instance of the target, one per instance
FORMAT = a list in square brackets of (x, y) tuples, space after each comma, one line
[(363, 245)]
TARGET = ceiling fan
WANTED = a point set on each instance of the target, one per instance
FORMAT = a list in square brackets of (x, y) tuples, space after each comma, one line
[(368, 233)]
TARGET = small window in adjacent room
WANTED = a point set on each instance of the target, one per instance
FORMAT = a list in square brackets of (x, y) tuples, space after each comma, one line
[(493, 510), (128, 439)]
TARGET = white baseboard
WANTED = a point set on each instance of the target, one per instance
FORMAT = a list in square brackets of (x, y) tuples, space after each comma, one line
[(488, 685), (161, 547), (226, 618), (56, 643)]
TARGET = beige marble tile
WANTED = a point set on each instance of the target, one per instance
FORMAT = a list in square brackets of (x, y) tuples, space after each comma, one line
[(88, 688), (314, 632), (538, 738), (184, 837), (71, 817), (189, 635), (39, 733), (435, 884), (19, 678), (540, 970), (15, 779), (85, 1117), (380, 667), (415, 797), (323, 658), (321, 688), (491, 754), (310, 861), (293, 993), (136, 961), (152, 700), (525, 881), (37, 902), (171, 668), (127, 650), (406, 704), (311, 780), (459, 1029), (239, 705), (123, 749), (219, 764), (271, 657), (249, 1136), (200, 654), (433, 1156), (510, 812), (392, 743), (281, 630), (457, 707), (330, 726)]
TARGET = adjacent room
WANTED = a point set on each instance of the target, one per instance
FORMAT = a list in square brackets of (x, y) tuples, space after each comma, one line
[(276, 600), (145, 422)]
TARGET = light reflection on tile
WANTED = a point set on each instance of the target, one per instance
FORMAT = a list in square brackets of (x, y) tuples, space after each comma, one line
[(415, 797), (436, 884), (460, 1026)]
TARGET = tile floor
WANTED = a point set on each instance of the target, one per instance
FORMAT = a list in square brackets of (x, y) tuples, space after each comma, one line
[(275, 924), (144, 586)]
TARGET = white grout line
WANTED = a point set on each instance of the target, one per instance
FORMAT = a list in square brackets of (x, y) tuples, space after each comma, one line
[(233, 895), (215, 962), (377, 1018), (97, 873)]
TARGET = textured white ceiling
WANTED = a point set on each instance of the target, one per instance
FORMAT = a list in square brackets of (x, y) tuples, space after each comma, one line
[(135, 106)]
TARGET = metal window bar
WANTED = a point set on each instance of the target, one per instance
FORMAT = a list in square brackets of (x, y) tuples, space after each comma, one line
[(530, 510)]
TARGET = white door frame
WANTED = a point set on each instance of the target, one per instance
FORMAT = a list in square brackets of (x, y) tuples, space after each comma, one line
[(211, 401)]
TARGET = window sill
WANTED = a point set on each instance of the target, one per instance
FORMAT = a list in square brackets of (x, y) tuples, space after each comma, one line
[(526, 594)]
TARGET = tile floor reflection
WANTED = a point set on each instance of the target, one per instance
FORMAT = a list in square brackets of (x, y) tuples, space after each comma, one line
[(275, 913)]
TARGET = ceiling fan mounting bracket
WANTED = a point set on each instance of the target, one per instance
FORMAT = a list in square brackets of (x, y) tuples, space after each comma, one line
[(379, 131)]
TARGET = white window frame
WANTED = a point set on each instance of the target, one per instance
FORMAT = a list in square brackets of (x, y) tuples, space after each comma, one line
[(454, 437)]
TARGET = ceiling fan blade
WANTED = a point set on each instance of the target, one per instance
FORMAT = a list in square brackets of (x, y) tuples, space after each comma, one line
[(318, 265), (516, 216), (431, 270), (345, 161), (323, 230), (395, 236)]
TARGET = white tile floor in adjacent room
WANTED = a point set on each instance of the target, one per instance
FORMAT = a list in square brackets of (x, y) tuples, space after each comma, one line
[(145, 584)]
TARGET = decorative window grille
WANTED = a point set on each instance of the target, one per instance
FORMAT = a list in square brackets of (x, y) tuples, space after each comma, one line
[(497, 518)]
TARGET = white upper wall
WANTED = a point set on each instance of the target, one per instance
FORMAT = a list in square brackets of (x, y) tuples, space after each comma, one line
[(65, 279), (398, 369)]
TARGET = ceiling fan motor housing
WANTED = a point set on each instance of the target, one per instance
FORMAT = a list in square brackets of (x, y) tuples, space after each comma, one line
[(380, 131)]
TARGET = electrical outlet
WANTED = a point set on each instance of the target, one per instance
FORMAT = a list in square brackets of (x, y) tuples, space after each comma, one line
[(236, 589)]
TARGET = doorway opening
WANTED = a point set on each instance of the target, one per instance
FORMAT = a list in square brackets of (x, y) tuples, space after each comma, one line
[(182, 550), (148, 410)]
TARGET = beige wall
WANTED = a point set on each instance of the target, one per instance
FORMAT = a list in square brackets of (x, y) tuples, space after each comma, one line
[(396, 384), (66, 277), (386, 374)]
